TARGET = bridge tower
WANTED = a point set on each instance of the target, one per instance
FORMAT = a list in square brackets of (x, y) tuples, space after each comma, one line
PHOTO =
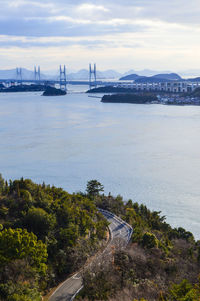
[(19, 75), (37, 74), (63, 79), (92, 76)]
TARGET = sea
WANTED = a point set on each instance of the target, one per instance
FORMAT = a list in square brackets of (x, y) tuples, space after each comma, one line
[(147, 153)]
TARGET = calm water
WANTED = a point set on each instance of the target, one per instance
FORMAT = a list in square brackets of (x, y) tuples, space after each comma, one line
[(149, 153)]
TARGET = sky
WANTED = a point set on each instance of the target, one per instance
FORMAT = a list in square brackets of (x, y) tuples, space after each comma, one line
[(115, 34)]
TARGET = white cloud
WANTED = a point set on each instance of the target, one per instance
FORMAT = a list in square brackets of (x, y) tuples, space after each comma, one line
[(91, 8), (123, 33)]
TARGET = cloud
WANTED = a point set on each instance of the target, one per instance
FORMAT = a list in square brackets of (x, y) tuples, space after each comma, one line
[(91, 8), (153, 31)]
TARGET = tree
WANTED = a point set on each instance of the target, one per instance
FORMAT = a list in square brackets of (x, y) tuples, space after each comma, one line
[(94, 188), (39, 222), (149, 241), (178, 292), (20, 244), (2, 184)]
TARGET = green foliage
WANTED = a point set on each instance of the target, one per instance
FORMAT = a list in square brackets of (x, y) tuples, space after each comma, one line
[(19, 292), (39, 221), (94, 188), (97, 284), (185, 291), (2, 184), (69, 236), (149, 241), (181, 233), (19, 244)]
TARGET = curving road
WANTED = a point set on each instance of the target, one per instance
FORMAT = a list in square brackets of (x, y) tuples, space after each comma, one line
[(120, 231)]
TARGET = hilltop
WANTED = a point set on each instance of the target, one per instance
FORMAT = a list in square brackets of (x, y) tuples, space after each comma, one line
[(154, 78)]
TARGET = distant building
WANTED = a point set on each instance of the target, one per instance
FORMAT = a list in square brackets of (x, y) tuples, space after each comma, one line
[(173, 86)]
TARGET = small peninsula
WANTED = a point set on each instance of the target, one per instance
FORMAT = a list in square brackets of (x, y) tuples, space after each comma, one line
[(23, 88), (50, 91), (130, 98), (111, 89)]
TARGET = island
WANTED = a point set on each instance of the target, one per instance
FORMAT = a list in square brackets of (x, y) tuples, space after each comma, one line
[(111, 89), (51, 91), (23, 88), (130, 98)]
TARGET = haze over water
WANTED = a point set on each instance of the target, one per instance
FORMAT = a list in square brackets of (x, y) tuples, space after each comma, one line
[(149, 153)]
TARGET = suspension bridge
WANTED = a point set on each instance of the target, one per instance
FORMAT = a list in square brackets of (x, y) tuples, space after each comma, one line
[(60, 80)]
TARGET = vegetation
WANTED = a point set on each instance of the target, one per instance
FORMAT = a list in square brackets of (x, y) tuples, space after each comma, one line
[(94, 188), (51, 91), (45, 234), (23, 88), (141, 98), (111, 89), (195, 93), (161, 263)]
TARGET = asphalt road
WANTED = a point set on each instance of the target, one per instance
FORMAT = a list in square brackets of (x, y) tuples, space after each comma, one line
[(120, 232)]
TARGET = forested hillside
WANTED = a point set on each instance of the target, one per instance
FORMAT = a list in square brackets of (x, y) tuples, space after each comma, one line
[(161, 263), (45, 234)]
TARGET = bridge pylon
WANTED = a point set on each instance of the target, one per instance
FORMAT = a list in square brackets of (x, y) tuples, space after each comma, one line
[(37, 76), (19, 75), (63, 78), (92, 76)]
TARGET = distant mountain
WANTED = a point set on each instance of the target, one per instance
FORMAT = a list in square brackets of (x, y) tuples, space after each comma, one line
[(145, 72), (190, 73), (129, 72), (196, 79), (130, 77), (26, 74), (8, 74), (169, 76), (111, 74), (149, 72), (156, 78), (84, 75)]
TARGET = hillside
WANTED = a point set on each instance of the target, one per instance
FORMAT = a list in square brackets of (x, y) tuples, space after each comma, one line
[(130, 77), (110, 89), (23, 88), (161, 263), (154, 78), (47, 233), (51, 91)]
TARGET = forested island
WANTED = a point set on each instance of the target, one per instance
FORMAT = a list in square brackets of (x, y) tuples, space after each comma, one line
[(51, 91), (47, 90), (23, 88), (111, 89), (136, 98), (47, 233)]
